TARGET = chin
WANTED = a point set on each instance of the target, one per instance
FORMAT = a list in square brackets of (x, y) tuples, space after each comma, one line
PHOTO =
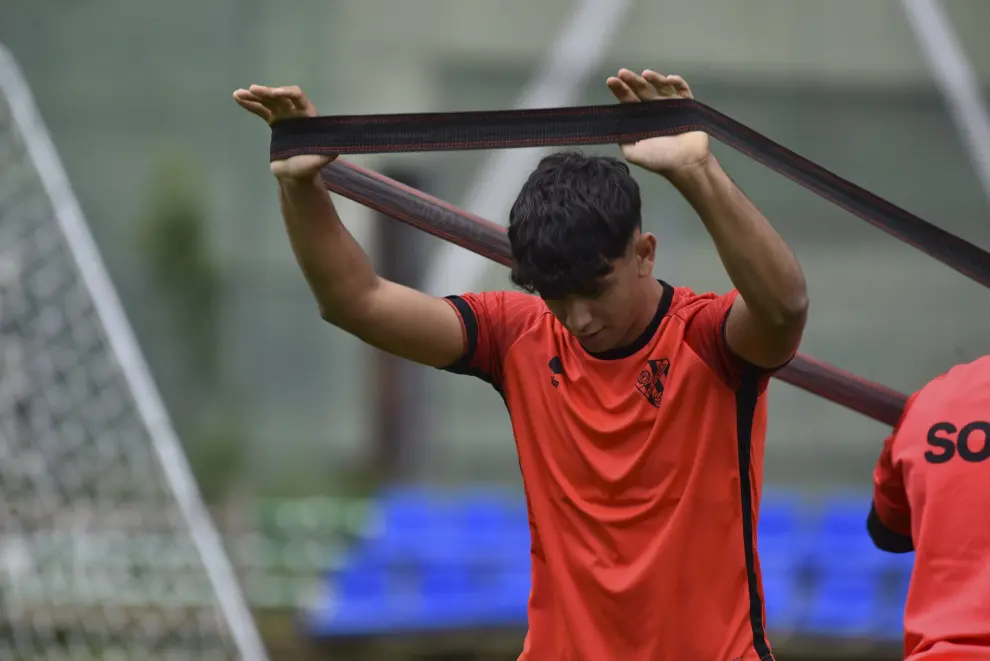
[(597, 342)]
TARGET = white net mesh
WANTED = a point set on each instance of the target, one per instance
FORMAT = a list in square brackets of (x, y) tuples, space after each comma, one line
[(97, 560)]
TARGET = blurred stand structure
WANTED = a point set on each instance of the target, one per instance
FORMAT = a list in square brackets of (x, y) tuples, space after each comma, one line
[(321, 424), (397, 421)]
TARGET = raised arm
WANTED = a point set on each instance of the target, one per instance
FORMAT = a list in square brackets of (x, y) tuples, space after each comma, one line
[(348, 292), (767, 319)]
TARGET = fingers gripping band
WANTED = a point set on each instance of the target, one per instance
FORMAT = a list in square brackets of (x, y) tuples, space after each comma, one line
[(609, 124)]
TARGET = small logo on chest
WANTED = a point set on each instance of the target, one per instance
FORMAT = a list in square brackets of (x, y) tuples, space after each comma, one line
[(652, 380), (556, 369)]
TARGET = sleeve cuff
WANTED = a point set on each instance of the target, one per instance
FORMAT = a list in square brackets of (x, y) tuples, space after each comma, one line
[(470, 323), (883, 537), (744, 365)]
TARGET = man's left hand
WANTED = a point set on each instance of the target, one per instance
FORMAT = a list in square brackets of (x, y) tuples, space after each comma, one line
[(666, 155)]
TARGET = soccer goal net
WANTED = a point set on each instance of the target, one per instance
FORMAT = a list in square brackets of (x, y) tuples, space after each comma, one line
[(106, 549)]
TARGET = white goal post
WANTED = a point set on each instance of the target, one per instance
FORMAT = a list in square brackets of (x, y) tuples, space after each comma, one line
[(102, 523)]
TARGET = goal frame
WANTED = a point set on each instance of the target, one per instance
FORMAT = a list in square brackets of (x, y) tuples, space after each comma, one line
[(121, 339)]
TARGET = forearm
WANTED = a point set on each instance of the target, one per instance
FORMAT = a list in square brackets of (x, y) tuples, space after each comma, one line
[(338, 271), (761, 266)]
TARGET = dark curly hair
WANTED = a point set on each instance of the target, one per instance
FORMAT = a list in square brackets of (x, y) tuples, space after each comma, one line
[(573, 216)]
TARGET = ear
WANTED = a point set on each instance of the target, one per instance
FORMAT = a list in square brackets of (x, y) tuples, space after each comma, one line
[(645, 253)]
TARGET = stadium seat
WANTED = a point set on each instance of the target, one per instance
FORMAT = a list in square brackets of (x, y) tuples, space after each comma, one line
[(416, 526), (781, 602), (780, 511), (781, 544), (890, 624), (840, 540), (354, 600), (845, 603), (509, 601), (446, 599), (483, 518), (845, 512), (445, 563)]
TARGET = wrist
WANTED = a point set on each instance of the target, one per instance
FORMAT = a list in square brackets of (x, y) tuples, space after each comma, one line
[(694, 177), (295, 180)]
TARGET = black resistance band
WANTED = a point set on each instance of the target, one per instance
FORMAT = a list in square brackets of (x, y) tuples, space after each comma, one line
[(490, 240), (613, 124)]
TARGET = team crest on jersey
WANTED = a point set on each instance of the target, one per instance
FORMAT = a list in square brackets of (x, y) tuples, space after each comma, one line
[(652, 379)]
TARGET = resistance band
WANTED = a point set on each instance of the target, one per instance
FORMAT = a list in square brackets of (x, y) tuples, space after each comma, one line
[(490, 240), (613, 124), (610, 124)]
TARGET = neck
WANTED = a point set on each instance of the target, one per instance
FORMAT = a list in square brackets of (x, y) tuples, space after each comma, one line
[(647, 310)]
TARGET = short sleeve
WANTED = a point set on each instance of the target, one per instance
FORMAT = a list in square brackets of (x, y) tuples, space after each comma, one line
[(889, 498), (889, 521), (492, 321), (706, 335)]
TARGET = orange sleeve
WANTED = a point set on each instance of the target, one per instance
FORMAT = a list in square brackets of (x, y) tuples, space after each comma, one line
[(492, 321), (889, 497), (706, 335)]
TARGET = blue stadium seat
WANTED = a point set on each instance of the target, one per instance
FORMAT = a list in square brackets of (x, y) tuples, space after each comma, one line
[(840, 540), (781, 544), (463, 560), (416, 526), (483, 518), (781, 602), (890, 624), (510, 599), (783, 523), (354, 601), (780, 511), (845, 604), (446, 597)]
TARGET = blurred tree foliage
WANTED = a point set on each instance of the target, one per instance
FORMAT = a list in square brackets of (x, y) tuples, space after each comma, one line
[(185, 287)]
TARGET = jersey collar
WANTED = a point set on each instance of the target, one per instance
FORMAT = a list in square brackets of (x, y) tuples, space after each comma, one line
[(625, 351)]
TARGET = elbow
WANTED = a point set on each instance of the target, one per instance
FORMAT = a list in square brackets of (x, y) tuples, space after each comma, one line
[(789, 312), (344, 318), (794, 310), (351, 311), (795, 303), (329, 315)]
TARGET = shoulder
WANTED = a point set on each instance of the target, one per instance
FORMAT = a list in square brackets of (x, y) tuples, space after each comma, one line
[(500, 302), (700, 314), (500, 312), (959, 391), (960, 382), (703, 317), (693, 307), (965, 376)]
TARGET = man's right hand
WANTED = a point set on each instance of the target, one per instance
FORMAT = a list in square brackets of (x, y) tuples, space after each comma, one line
[(273, 104)]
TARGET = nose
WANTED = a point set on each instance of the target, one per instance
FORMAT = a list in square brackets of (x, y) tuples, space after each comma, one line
[(579, 317)]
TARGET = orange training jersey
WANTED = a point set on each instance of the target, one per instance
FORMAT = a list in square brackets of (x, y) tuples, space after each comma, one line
[(642, 470), (932, 494)]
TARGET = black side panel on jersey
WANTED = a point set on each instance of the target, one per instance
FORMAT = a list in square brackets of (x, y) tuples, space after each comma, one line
[(746, 399)]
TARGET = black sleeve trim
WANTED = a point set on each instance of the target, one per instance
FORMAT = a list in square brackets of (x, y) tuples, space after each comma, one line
[(463, 364), (748, 367), (883, 537)]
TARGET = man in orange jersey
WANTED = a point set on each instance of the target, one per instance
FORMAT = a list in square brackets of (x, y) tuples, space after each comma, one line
[(932, 496), (638, 407)]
